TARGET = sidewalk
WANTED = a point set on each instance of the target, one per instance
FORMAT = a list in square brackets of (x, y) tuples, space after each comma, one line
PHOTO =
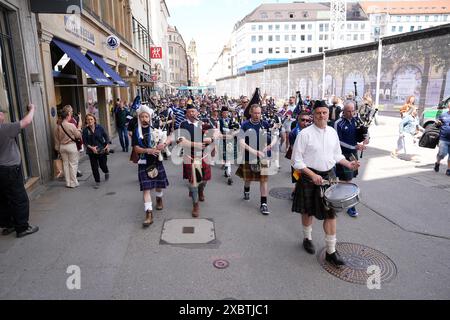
[(100, 231)]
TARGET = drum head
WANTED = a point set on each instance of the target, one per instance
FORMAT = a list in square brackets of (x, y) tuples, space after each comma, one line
[(342, 191)]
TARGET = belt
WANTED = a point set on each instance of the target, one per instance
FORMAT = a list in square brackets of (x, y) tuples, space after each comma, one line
[(9, 167)]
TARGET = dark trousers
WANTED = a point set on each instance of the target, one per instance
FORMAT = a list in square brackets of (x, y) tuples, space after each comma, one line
[(96, 162), (123, 138), (14, 203)]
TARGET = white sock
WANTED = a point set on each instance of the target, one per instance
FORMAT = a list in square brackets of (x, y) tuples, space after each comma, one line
[(307, 231), (148, 206), (331, 244), (159, 194), (228, 168)]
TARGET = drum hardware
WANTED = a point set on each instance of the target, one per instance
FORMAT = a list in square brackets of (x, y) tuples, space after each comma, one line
[(342, 196)]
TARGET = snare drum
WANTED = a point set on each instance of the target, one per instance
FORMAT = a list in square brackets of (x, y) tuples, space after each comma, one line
[(342, 196)]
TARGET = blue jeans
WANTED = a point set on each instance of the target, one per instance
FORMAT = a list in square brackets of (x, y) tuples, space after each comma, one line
[(123, 137), (444, 149)]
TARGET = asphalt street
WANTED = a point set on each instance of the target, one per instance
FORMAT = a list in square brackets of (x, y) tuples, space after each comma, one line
[(404, 213)]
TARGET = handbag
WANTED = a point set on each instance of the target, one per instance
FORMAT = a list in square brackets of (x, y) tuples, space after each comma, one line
[(78, 142), (289, 153), (58, 167)]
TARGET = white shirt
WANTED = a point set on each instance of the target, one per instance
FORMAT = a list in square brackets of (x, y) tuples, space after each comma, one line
[(317, 149)]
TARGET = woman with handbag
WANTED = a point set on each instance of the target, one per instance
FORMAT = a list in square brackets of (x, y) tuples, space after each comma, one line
[(152, 175), (97, 142), (66, 138)]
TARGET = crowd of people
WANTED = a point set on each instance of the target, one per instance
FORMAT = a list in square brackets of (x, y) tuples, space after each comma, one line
[(322, 139)]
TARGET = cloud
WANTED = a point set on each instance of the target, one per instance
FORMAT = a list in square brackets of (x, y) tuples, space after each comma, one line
[(174, 4)]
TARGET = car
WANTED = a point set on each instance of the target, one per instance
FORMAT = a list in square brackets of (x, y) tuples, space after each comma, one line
[(431, 115)]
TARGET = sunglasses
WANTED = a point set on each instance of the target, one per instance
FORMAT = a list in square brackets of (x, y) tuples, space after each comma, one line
[(304, 120)]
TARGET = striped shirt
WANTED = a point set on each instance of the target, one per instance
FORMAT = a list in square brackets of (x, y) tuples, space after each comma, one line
[(180, 116)]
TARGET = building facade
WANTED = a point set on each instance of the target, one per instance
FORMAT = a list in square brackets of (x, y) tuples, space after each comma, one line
[(290, 30), (21, 80), (222, 67), (178, 68), (159, 15), (193, 70), (395, 17)]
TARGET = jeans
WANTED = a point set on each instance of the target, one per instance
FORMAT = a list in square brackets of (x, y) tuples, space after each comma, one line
[(14, 203), (444, 149), (123, 137), (96, 162)]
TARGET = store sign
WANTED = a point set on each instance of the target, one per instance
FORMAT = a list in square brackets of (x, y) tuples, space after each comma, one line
[(122, 54), (112, 42), (73, 26), (156, 53), (56, 6)]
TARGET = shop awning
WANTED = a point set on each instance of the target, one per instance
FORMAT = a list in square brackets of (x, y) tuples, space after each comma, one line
[(102, 63), (80, 60)]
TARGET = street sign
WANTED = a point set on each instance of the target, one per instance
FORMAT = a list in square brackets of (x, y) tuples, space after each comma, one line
[(112, 42), (56, 6), (156, 53)]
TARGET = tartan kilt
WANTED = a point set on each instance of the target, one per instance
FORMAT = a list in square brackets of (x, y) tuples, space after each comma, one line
[(307, 199), (206, 172), (146, 183), (244, 172)]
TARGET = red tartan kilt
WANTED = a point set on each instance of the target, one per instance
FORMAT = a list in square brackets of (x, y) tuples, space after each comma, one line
[(206, 171)]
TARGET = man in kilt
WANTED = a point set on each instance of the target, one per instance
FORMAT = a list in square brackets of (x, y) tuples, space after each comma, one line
[(192, 136), (152, 175), (315, 154), (255, 139), (228, 130)]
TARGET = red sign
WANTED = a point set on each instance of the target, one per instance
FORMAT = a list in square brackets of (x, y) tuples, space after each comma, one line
[(156, 53)]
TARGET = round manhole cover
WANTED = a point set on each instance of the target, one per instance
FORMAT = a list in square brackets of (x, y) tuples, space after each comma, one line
[(358, 259), (221, 264), (281, 193)]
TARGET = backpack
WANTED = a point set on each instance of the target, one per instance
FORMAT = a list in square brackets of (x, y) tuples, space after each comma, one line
[(430, 138)]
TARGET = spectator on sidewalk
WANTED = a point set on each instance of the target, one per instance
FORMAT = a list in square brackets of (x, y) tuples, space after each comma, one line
[(409, 131), (97, 143), (121, 125), (444, 142), (14, 202), (76, 121), (66, 135)]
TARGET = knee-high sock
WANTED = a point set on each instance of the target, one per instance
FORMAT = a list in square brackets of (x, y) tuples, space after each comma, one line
[(307, 231), (331, 243)]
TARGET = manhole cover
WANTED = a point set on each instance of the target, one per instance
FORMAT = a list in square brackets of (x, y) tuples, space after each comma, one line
[(358, 259), (188, 231), (221, 264), (281, 193)]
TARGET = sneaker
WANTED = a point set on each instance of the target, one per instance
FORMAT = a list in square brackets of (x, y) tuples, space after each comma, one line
[(247, 196), (436, 167), (29, 231), (8, 231), (264, 210), (352, 212), (335, 259), (448, 173)]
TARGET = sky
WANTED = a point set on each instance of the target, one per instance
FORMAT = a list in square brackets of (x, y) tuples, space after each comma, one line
[(209, 23)]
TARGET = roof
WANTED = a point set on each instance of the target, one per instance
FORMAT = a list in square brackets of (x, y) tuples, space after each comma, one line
[(299, 11), (406, 7)]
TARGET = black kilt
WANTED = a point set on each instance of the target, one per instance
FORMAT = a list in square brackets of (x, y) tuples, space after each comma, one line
[(307, 197)]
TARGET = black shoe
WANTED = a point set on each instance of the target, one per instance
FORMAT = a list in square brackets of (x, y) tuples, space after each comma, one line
[(30, 230), (79, 174), (447, 173), (436, 167), (247, 196), (308, 245), (8, 231), (230, 181), (264, 210), (335, 259), (106, 176)]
